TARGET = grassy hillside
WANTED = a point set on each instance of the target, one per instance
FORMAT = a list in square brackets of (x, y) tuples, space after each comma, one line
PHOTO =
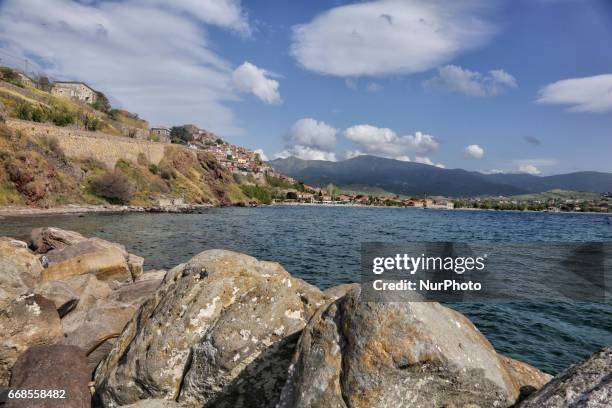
[(28, 103), (35, 171)]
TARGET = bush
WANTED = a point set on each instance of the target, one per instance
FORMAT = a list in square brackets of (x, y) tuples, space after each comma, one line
[(114, 186), (260, 194), (92, 123), (153, 168)]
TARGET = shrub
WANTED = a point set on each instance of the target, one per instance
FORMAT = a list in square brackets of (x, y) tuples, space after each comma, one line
[(167, 174), (92, 123), (153, 168), (260, 194), (114, 186)]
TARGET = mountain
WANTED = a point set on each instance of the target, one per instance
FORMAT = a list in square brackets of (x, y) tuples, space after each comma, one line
[(411, 178)]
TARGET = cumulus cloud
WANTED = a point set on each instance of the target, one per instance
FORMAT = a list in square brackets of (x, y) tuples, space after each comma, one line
[(390, 36), (310, 139), (306, 153), (529, 169), (262, 154), (313, 133), (385, 142), (456, 79), (250, 78), (474, 151), (153, 57), (589, 94)]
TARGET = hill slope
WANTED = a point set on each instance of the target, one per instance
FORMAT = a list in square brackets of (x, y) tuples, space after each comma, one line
[(414, 178)]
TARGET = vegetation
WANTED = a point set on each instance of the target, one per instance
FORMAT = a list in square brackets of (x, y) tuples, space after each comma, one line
[(113, 186), (102, 103), (11, 76), (179, 134), (259, 193)]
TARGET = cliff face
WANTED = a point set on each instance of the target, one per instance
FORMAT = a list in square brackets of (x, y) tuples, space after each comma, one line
[(45, 166)]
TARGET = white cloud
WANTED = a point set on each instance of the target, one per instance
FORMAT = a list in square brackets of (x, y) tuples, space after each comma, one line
[(427, 160), (250, 78), (390, 36), (153, 57), (349, 154), (471, 83), (313, 133), (474, 151), (588, 94), (529, 169), (310, 139), (536, 162), (385, 142), (262, 154), (306, 153)]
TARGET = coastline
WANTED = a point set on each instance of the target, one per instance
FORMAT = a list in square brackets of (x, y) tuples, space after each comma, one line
[(71, 209)]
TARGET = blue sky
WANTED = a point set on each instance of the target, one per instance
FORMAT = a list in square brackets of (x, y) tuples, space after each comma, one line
[(522, 85)]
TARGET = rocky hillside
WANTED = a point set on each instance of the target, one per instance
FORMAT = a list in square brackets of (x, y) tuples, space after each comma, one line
[(35, 171), (227, 330)]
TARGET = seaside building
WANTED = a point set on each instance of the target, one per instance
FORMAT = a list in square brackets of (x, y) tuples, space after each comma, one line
[(74, 90), (161, 133)]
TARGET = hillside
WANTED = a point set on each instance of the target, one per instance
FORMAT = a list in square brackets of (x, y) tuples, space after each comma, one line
[(35, 171), (409, 178)]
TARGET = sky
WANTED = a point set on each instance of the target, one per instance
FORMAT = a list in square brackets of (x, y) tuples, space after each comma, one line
[(486, 85)]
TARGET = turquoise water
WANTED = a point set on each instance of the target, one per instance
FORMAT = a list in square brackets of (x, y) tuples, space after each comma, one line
[(321, 245)]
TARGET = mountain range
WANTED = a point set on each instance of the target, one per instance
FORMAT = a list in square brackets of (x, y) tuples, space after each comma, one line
[(409, 178)]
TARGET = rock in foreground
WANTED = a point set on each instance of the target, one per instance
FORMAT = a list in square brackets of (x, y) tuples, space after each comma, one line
[(219, 332), (62, 368), (584, 385), (412, 354)]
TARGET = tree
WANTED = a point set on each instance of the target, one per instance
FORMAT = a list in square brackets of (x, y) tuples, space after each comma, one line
[(102, 103), (43, 83), (179, 134), (331, 190)]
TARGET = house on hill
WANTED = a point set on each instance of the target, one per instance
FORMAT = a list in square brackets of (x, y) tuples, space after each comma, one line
[(74, 90), (161, 134)]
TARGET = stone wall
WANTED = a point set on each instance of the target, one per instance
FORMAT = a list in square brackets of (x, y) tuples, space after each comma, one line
[(81, 144)]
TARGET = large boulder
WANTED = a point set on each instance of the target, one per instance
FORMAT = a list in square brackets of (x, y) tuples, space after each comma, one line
[(584, 385), (220, 331), (54, 367), (417, 354), (95, 326), (20, 269), (105, 260), (43, 240), (27, 321)]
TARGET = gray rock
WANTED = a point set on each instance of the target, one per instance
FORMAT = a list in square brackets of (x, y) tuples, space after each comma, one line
[(136, 265), (54, 367), (29, 320), (584, 385), (155, 274), (20, 269), (42, 240), (101, 317), (415, 354), (219, 332), (60, 293), (154, 403)]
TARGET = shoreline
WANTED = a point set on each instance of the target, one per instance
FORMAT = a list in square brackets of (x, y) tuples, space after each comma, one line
[(75, 209)]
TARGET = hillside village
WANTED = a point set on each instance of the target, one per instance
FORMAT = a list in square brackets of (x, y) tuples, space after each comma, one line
[(76, 105)]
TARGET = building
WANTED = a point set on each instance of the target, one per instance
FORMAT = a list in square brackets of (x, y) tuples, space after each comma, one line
[(161, 134), (26, 80), (74, 90)]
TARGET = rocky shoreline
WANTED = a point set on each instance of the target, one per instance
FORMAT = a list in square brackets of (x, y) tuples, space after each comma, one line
[(227, 330), (109, 209)]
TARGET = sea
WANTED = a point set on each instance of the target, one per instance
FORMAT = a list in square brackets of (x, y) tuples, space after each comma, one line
[(322, 246)]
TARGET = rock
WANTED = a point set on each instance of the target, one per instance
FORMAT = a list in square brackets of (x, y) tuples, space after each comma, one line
[(60, 293), (27, 321), (584, 385), (153, 403), (107, 263), (419, 354), (96, 328), (219, 331), (20, 269), (136, 265), (54, 367), (336, 292), (42, 240), (152, 275), (529, 379), (86, 246)]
